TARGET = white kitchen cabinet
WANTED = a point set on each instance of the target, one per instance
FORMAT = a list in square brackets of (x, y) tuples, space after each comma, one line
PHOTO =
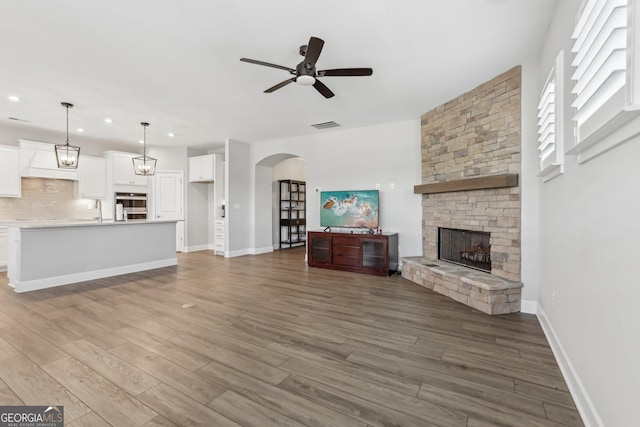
[(9, 171), (202, 168), (122, 172), (218, 243), (167, 196), (4, 248), (92, 174)]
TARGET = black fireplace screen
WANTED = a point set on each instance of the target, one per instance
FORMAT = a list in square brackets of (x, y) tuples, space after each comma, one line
[(464, 247)]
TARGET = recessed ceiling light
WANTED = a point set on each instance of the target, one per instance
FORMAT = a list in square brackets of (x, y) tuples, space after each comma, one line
[(171, 135), (14, 98), (108, 120), (141, 141), (80, 130)]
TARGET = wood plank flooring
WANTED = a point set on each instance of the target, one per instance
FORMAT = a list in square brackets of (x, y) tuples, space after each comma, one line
[(272, 342)]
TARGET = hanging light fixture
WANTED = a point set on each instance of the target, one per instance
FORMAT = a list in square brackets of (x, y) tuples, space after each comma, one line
[(144, 165), (67, 155)]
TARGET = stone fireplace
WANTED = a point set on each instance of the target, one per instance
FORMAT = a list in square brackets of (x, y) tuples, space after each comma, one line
[(470, 149)]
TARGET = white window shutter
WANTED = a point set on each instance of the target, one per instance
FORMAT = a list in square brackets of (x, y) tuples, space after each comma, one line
[(606, 99), (551, 123)]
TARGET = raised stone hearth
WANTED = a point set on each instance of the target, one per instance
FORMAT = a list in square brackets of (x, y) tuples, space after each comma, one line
[(482, 291)]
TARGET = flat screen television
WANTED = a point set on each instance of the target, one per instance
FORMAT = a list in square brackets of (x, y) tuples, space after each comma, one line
[(353, 209)]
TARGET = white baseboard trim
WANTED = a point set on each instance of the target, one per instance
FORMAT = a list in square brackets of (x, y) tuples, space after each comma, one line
[(197, 248), (583, 402), (265, 250), (50, 282), (241, 252), (529, 306)]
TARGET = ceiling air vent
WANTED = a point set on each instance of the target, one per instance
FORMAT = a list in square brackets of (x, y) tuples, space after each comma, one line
[(325, 125)]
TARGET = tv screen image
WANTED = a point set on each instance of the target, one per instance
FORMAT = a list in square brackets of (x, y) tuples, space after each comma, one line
[(355, 209)]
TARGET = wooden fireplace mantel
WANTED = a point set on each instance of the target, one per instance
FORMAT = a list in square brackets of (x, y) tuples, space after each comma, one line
[(482, 183)]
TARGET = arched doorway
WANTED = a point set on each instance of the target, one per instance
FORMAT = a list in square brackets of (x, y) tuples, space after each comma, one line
[(268, 172)]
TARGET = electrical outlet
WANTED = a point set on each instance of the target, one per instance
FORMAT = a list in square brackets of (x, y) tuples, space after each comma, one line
[(392, 186), (553, 298), (377, 186)]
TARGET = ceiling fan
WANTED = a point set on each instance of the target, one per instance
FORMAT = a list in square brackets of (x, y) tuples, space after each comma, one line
[(305, 72)]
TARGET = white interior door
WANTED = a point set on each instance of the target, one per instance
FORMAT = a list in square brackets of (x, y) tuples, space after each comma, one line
[(169, 203)]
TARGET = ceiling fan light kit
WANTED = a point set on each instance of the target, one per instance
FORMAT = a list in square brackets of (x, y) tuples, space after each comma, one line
[(305, 72), (305, 80)]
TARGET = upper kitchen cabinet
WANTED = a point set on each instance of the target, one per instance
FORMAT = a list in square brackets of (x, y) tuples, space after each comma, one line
[(38, 159), (202, 168), (121, 167), (9, 171), (92, 183)]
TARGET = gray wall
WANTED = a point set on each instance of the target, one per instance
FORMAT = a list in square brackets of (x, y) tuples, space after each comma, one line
[(295, 168), (197, 210), (239, 198), (10, 134), (589, 289)]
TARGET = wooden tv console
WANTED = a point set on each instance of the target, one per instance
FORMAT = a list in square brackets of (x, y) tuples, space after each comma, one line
[(360, 253)]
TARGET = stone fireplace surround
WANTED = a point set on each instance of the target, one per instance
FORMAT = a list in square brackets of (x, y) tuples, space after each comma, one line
[(470, 150)]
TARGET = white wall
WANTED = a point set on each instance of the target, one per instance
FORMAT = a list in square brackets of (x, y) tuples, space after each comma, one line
[(589, 291), (358, 159)]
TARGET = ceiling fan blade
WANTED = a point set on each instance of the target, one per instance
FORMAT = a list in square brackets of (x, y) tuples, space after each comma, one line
[(346, 72), (267, 64), (279, 85), (313, 52), (323, 89)]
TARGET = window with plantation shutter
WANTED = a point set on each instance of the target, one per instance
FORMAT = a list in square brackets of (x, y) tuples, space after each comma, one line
[(551, 124), (605, 76)]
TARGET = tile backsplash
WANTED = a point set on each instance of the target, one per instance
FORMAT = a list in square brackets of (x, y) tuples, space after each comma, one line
[(44, 198)]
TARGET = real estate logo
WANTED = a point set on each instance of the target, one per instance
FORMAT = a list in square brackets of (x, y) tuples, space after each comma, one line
[(31, 416)]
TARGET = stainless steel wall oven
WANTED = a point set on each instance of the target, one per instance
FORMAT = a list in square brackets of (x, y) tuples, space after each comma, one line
[(130, 206)]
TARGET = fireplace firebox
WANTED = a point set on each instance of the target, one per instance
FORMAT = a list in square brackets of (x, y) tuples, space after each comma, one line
[(465, 247)]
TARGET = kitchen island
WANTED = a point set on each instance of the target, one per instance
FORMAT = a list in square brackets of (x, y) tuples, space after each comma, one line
[(47, 254)]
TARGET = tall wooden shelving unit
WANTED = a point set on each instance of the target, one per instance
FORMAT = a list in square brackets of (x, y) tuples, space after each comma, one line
[(293, 221)]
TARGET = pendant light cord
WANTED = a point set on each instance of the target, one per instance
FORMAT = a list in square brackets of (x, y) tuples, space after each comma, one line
[(67, 107)]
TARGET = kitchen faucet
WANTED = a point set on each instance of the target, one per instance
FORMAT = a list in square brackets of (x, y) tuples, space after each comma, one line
[(99, 207)]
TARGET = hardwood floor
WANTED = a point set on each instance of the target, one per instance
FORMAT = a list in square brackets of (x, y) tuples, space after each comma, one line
[(272, 342)]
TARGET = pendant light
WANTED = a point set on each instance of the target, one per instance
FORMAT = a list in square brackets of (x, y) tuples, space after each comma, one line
[(67, 155), (144, 165)]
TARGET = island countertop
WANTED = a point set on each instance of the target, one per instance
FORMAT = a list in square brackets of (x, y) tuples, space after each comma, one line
[(58, 223), (43, 254)]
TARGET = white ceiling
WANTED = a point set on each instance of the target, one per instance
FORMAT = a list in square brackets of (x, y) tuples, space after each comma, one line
[(175, 63)]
